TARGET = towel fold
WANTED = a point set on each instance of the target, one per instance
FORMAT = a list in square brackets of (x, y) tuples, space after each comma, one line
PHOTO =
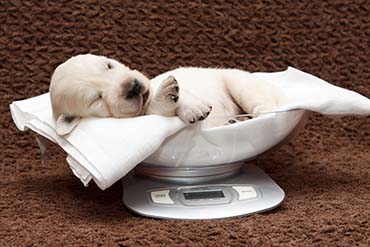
[(102, 149), (106, 149)]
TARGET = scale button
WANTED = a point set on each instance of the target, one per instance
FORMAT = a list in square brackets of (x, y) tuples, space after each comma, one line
[(245, 192), (161, 197)]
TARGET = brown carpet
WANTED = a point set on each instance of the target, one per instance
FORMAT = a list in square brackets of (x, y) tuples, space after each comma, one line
[(325, 171)]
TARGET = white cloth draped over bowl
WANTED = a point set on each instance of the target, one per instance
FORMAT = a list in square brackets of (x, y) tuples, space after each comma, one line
[(106, 149)]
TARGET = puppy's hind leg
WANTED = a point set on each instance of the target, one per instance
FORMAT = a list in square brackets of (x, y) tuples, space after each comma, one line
[(252, 94)]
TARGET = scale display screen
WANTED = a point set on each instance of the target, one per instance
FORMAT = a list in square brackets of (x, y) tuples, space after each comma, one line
[(204, 195)]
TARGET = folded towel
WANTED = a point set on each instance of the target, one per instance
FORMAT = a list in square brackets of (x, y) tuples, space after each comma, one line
[(106, 149), (102, 149), (309, 92)]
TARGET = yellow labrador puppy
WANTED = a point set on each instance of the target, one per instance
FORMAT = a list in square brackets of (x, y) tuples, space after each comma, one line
[(96, 86)]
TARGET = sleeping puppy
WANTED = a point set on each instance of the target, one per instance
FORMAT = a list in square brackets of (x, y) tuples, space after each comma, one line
[(96, 86)]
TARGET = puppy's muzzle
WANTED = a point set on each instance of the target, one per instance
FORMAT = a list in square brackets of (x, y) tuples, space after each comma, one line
[(134, 90)]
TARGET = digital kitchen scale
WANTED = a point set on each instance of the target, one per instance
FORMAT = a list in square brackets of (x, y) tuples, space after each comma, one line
[(215, 192)]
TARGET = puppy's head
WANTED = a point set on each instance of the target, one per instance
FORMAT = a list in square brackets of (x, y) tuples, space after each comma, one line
[(96, 86)]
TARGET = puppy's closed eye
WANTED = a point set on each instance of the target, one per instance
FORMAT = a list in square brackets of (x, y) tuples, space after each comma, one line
[(109, 65)]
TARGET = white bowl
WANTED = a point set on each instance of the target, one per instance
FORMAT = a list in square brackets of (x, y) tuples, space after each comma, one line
[(199, 146)]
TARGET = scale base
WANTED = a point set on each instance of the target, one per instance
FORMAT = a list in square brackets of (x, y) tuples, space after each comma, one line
[(138, 196)]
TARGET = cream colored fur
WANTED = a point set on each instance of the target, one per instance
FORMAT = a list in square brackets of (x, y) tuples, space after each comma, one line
[(89, 85)]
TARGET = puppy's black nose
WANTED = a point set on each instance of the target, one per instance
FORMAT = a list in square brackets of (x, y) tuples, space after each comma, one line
[(135, 89)]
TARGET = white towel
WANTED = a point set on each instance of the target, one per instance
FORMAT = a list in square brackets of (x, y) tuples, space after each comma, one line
[(102, 149), (309, 92), (105, 150)]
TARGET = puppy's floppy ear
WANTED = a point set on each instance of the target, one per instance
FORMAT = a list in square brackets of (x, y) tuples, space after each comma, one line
[(66, 123)]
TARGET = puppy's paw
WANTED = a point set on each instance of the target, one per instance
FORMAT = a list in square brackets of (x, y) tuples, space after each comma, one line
[(169, 90), (238, 119), (194, 112), (165, 101)]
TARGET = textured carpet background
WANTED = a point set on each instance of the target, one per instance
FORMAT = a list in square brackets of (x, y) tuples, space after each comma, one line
[(325, 171)]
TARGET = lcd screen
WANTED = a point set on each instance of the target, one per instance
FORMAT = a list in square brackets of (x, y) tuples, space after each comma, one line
[(204, 195)]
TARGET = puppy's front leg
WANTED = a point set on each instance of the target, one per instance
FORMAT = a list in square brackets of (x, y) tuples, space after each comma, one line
[(165, 100), (192, 109)]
